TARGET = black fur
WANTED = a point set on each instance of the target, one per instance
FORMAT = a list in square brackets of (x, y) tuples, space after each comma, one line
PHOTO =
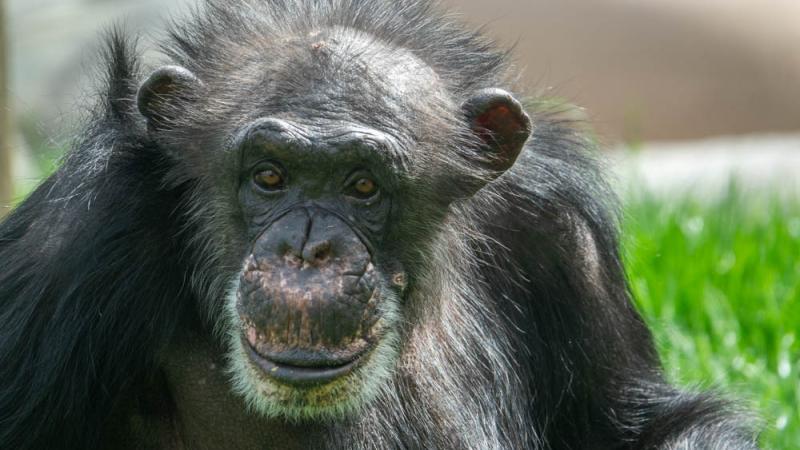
[(104, 261)]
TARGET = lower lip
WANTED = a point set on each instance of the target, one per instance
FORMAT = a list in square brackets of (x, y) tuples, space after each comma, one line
[(299, 376)]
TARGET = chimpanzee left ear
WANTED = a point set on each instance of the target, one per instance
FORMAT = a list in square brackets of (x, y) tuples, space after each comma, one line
[(498, 119), (160, 97)]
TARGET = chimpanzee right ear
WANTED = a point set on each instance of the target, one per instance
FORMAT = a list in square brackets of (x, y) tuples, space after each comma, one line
[(162, 95)]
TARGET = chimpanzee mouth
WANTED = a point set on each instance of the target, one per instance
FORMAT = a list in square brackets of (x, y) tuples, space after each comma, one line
[(304, 369)]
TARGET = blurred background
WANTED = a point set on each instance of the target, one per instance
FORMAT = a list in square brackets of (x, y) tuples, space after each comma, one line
[(696, 104)]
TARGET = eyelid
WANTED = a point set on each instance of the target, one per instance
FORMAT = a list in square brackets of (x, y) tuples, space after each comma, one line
[(263, 166), (267, 165), (355, 177)]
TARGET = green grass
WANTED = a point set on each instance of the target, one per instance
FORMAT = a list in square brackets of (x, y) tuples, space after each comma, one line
[(719, 283)]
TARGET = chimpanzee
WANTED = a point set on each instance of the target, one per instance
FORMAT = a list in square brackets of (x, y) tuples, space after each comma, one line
[(328, 224)]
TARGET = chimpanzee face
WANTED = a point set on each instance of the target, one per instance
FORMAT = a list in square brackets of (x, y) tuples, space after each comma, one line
[(317, 299), (333, 174)]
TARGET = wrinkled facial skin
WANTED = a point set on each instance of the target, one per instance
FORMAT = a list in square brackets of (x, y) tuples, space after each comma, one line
[(308, 298), (315, 313)]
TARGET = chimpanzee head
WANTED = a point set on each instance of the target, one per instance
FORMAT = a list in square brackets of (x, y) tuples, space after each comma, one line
[(322, 166)]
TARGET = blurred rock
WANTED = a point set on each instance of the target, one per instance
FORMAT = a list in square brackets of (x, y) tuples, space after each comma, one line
[(706, 168)]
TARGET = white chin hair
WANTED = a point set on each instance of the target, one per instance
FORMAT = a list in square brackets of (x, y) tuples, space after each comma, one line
[(340, 398)]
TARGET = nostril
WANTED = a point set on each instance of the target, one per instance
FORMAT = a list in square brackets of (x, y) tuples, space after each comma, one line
[(317, 253), (321, 254)]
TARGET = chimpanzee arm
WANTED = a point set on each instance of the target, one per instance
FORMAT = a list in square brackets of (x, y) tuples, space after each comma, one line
[(91, 280)]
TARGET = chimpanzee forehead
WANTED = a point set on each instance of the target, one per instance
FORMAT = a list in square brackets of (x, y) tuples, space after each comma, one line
[(343, 74), (351, 55)]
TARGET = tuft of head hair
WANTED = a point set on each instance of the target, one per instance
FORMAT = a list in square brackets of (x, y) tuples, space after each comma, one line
[(222, 32)]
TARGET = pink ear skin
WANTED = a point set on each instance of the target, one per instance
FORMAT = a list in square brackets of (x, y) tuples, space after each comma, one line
[(498, 119), (158, 94)]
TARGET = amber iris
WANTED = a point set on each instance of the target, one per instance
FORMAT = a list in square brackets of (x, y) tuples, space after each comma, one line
[(269, 179), (365, 187)]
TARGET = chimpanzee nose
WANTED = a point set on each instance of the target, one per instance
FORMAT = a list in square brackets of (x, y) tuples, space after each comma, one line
[(311, 237), (309, 291)]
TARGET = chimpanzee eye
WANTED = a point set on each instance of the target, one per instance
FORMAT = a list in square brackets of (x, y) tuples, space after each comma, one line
[(270, 179), (364, 188)]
